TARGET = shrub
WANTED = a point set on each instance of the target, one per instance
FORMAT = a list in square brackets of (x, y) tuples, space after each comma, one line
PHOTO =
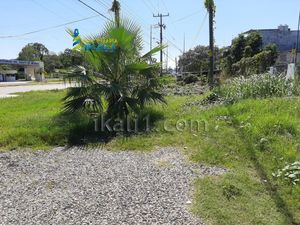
[(190, 79), (167, 80), (257, 86)]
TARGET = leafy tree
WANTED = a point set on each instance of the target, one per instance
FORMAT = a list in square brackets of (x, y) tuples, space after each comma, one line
[(238, 47), (197, 60), (41, 49), (254, 42), (116, 83), (273, 52), (246, 56), (71, 58), (28, 53), (52, 62), (248, 52), (33, 52)]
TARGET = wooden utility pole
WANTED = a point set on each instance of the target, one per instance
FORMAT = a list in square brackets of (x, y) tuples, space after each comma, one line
[(211, 8), (162, 26)]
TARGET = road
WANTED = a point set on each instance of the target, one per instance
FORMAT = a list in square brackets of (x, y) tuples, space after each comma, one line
[(9, 90)]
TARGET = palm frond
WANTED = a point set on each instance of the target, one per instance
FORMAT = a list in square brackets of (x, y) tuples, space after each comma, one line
[(153, 51)]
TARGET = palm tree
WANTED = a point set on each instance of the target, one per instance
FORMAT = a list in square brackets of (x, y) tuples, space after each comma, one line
[(115, 83), (211, 8), (116, 9)]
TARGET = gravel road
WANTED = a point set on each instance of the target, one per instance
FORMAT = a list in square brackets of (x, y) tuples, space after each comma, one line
[(77, 186)]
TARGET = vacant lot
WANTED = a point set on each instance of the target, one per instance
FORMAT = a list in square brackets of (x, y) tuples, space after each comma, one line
[(252, 139)]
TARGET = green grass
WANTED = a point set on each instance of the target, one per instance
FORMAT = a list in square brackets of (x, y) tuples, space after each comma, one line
[(252, 138), (35, 120)]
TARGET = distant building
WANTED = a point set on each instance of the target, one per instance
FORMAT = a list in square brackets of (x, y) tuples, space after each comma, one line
[(34, 70), (8, 75), (283, 37)]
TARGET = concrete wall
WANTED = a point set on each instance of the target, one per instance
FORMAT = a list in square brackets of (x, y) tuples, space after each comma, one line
[(285, 40), (287, 57), (29, 73)]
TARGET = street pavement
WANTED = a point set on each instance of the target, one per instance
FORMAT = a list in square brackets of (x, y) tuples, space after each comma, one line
[(9, 90)]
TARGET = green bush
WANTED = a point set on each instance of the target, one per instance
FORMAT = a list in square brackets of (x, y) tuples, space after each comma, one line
[(167, 80), (257, 86), (190, 79)]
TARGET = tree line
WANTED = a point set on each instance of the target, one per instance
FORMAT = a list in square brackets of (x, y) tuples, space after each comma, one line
[(245, 56), (52, 61)]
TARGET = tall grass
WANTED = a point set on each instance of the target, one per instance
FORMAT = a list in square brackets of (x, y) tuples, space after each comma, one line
[(258, 86)]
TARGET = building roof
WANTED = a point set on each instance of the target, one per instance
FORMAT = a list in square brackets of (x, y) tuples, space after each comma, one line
[(279, 28), (18, 62)]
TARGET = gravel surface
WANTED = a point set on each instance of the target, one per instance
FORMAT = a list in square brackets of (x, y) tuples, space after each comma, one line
[(76, 186), (185, 89)]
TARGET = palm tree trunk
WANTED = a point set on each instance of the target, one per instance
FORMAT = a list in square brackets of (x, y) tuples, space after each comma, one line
[(211, 47)]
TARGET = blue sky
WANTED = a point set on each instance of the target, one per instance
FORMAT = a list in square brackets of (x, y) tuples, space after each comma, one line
[(186, 17)]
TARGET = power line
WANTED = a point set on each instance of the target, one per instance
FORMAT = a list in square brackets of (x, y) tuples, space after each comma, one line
[(44, 7), (102, 3), (165, 5), (48, 28), (145, 3), (174, 45), (95, 10), (200, 28), (186, 17), (74, 10)]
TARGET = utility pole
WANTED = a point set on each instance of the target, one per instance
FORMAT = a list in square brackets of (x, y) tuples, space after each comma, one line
[(162, 26), (297, 45), (176, 66)]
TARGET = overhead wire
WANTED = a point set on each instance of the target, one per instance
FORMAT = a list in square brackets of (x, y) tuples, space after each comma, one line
[(47, 9), (47, 28), (187, 16), (146, 4), (95, 10), (199, 29)]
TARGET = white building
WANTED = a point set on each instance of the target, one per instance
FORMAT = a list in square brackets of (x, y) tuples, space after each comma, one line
[(34, 70)]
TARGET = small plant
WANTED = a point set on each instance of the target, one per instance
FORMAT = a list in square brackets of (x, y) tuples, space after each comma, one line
[(290, 172), (231, 191), (263, 144)]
